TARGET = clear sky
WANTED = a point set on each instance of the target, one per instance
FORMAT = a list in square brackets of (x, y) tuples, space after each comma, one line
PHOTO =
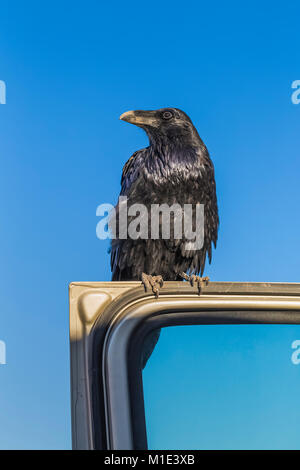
[(71, 68)]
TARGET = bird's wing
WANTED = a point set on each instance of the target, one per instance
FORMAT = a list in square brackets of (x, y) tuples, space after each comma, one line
[(203, 191), (120, 259), (130, 171), (211, 210)]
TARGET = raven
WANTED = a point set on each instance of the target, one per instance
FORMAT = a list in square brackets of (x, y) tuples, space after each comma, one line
[(174, 169)]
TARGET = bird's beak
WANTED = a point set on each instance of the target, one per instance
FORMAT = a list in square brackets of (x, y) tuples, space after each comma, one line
[(140, 118)]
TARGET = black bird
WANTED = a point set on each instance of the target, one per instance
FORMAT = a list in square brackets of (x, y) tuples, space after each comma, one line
[(174, 168)]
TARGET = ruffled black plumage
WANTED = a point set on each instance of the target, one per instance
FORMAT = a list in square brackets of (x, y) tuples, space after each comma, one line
[(175, 168)]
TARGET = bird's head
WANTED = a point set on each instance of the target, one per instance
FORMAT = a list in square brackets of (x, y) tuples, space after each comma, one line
[(169, 124)]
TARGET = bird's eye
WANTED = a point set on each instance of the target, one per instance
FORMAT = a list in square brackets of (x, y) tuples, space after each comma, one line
[(167, 115)]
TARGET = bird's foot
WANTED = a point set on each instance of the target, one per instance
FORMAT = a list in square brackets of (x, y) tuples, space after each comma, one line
[(152, 283), (193, 279)]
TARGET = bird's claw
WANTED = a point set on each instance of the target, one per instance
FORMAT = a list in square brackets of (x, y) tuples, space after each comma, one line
[(201, 281), (153, 283)]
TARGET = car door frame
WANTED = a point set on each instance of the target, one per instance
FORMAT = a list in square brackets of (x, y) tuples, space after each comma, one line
[(108, 412)]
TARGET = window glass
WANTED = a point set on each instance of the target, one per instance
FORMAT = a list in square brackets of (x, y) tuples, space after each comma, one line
[(224, 387)]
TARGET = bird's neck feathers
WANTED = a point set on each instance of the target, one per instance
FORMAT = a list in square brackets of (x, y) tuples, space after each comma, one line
[(176, 150), (173, 160)]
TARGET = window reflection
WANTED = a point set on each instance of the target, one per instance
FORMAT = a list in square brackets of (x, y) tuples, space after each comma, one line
[(224, 387)]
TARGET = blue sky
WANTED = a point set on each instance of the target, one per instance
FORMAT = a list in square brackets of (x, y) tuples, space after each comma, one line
[(71, 69)]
